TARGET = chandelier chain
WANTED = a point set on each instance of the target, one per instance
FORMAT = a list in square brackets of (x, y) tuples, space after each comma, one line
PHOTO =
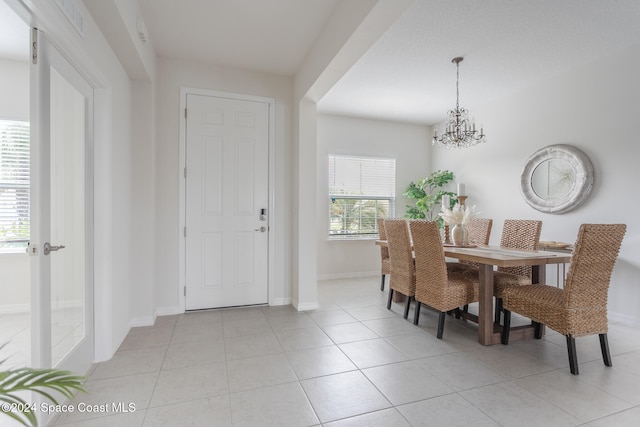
[(457, 85)]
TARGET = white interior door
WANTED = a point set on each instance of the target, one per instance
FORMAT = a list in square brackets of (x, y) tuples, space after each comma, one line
[(61, 216), (227, 185)]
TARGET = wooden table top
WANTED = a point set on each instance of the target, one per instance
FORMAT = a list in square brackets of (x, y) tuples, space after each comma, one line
[(499, 256)]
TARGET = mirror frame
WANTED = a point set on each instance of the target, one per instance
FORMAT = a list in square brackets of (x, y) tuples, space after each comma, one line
[(580, 189)]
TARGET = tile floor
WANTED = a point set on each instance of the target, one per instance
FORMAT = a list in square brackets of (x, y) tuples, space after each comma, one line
[(353, 363), (67, 327)]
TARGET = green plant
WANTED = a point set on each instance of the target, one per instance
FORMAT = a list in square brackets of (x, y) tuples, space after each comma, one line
[(41, 381), (428, 193)]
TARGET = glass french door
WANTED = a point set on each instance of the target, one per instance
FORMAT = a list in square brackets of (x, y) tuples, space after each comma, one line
[(61, 211)]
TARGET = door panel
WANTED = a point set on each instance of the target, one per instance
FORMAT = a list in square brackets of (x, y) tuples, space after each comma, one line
[(62, 278), (226, 188)]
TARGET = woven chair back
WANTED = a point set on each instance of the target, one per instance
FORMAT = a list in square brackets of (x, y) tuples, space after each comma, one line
[(520, 234), (431, 268), (592, 262), (479, 230), (403, 277), (384, 252)]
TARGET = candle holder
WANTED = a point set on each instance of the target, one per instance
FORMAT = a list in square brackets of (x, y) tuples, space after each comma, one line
[(447, 236), (462, 235)]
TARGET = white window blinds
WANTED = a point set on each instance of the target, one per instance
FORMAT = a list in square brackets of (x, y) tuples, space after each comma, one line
[(14, 183), (361, 190)]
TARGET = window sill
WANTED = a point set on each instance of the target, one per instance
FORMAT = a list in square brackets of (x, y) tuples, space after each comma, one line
[(20, 251), (352, 239)]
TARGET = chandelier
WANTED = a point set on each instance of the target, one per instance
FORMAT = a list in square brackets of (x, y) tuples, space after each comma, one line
[(459, 132)]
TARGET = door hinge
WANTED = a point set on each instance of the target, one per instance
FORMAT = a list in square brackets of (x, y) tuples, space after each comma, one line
[(185, 113), (185, 173), (34, 46), (184, 231), (185, 291)]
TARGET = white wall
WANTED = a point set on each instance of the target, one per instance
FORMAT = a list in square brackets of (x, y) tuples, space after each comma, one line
[(407, 143), (353, 27), (14, 87), (594, 108), (172, 75)]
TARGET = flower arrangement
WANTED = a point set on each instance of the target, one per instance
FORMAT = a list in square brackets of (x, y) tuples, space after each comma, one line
[(458, 215)]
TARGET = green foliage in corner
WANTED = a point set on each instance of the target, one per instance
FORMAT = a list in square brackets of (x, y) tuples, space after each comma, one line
[(42, 381), (427, 194)]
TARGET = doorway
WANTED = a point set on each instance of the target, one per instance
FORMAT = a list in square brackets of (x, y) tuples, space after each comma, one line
[(61, 241), (227, 200)]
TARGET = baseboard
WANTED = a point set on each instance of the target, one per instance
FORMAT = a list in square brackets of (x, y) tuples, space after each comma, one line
[(142, 321), (352, 275), (168, 311), (279, 301), (305, 306), (624, 319)]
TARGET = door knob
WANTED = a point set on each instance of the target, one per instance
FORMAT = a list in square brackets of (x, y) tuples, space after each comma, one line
[(48, 248), (262, 229)]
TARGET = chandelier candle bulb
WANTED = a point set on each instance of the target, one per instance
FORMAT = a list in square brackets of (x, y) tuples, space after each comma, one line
[(461, 189)]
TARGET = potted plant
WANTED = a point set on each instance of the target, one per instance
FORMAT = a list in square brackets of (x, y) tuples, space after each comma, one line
[(427, 194), (41, 381)]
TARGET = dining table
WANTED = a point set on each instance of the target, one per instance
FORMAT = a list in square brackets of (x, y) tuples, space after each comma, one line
[(488, 257)]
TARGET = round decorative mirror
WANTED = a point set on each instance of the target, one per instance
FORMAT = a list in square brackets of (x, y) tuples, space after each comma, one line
[(557, 179)]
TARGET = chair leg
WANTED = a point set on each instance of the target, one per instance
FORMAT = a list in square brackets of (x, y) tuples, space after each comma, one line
[(465, 308), (441, 318), (496, 318), (537, 330), (382, 282), (573, 357), (416, 315), (389, 301), (504, 338), (604, 346), (457, 312), (406, 307)]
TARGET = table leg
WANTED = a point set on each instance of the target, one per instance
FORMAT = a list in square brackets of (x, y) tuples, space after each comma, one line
[(485, 305), (538, 274)]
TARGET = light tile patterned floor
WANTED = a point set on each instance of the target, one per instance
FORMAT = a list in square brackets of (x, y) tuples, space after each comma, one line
[(353, 363)]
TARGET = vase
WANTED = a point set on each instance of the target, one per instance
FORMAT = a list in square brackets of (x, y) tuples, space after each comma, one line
[(459, 235)]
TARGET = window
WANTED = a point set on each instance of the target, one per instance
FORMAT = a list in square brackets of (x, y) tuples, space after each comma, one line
[(361, 190), (14, 184)]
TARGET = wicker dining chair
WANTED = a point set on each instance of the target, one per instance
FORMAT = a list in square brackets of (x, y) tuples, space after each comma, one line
[(580, 308), (479, 230), (516, 234), (403, 272), (435, 286), (385, 263)]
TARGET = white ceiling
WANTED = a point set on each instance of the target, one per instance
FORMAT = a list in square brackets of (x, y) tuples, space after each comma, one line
[(507, 45), (407, 75), (267, 35)]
